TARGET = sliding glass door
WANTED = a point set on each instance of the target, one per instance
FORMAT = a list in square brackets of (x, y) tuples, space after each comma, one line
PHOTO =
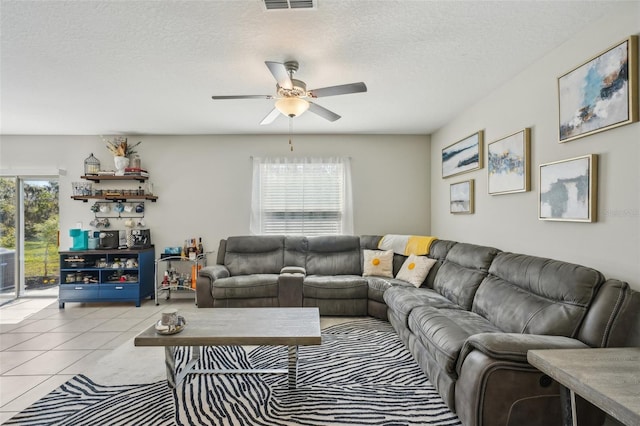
[(29, 237), (40, 237), (8, 248)]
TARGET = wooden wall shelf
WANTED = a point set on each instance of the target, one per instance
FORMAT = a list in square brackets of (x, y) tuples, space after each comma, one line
[(121, 198), (98, 178)]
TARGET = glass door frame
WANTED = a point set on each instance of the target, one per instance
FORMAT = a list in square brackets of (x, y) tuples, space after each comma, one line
[(19, 259), (16, 253)]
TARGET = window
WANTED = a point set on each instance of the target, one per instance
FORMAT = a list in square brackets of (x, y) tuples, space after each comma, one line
[(301, 196)]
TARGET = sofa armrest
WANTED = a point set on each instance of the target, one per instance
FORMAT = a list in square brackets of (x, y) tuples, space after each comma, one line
[(514, 346), (214, 272), (293, 270), (290, 286), (206, 278)]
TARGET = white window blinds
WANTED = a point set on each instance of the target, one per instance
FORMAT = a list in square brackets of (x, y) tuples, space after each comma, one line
[(301, 196)]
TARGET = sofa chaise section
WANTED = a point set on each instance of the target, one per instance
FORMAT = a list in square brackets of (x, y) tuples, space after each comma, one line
[(476, 354)]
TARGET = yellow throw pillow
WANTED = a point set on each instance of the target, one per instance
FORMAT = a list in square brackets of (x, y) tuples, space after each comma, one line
[(378, 263), (415, 269)]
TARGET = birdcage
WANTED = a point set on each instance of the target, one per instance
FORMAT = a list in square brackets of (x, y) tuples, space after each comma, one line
[(91, 165)]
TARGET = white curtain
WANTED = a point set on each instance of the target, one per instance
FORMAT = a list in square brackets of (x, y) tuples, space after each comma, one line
[(301, 196)]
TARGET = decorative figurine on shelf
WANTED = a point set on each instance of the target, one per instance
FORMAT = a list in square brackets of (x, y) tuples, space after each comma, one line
[(121, 151)]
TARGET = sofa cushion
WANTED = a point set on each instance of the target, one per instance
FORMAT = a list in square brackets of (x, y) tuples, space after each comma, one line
[(378, 285), (528, 294), (443, 332), (295, 250), (333, 255), (254, 255), (403, 299), (415, 269), (377, 263), (335, 287), (462, 271), (246, 287), (438, 251)]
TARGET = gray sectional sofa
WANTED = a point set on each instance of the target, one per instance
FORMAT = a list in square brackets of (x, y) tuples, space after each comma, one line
[(469, 325)]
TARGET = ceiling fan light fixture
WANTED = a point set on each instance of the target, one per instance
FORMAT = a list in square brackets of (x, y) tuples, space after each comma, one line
[(292, 106)]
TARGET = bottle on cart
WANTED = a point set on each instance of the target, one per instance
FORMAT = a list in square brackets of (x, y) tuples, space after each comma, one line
[(193, 250), (194, 276), (200, 247), (185, 249)]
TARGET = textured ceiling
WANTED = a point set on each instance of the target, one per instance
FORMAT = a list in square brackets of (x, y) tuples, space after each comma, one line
[(150, 67)]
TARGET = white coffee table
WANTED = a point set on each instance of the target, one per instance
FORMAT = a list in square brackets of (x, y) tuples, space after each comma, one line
[(237, 327)]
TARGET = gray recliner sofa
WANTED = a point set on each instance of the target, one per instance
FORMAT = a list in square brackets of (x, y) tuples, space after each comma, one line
[(246, 274), (323, 272), (469, 325)]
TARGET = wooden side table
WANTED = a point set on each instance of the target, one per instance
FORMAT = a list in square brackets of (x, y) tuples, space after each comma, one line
[(609, 378)]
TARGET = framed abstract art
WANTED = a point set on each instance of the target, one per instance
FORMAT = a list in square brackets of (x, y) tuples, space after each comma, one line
[(463, 156), (461, 197), (508, 164), (568, 189), (600, 94)]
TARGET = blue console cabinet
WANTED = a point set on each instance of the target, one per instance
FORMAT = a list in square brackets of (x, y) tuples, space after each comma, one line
[(106, 276)]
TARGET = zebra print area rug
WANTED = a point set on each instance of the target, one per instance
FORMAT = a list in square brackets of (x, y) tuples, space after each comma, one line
[(360, 375)]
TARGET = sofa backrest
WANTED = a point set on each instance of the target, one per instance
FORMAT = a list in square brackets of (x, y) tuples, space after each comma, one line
[(256, 254), (333, 255), (528, 294), (295, 251), (613, 320), (222, 250), (462, 271), (438, 251)]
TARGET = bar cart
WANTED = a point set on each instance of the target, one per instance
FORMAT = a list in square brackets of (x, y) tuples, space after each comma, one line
[(174, 273)]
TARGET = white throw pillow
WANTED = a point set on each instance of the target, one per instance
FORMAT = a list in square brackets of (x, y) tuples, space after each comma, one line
[(415, 269), (378, 263)]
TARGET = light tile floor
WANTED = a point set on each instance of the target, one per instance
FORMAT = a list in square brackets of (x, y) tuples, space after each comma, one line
[(41, 346)]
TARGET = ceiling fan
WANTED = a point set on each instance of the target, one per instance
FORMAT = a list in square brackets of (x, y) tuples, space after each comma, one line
[(292, 95)]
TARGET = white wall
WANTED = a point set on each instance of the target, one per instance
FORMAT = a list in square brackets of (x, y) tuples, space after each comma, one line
[(204, 182), (509, 222)]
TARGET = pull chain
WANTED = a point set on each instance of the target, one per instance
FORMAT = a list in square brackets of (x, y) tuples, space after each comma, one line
[(291, 133)]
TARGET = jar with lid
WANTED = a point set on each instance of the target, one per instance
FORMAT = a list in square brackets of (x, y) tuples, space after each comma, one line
[(135, 162)]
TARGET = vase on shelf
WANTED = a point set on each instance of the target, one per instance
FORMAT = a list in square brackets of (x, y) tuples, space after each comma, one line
[(121, 163)]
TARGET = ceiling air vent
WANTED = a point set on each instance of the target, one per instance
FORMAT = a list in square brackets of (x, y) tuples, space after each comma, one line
[(289, 4)]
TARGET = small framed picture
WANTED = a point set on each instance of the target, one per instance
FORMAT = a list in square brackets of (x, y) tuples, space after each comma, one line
[(568, 189), (508, 164), (600, 94), (463, 156), (461, 197)]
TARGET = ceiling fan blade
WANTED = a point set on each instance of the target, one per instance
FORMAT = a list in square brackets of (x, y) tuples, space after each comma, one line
[(343, 89), (323, 112), (270, 117), (242, 97), (280, 73)]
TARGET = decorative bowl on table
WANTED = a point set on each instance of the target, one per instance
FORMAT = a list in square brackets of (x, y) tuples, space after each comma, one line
[(171, 329)]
